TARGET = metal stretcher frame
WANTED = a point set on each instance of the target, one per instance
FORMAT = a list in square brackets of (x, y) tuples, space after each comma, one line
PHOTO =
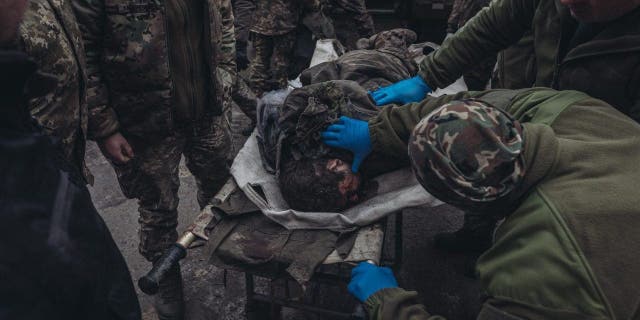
[(273, 304), (231, 200)]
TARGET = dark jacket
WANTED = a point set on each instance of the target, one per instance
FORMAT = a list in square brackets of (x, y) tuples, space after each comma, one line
[(58, 258), (565, 251), (606, 67), (132, 80)]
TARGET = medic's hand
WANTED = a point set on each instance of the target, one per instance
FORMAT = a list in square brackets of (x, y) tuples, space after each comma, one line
[(367, 279), (404, 91), (116, 148), (350, 134)]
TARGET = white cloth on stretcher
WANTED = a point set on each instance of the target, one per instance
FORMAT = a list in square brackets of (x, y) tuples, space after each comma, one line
[(397, 190)]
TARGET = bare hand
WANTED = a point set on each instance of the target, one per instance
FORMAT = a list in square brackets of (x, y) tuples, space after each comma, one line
[(116, 148)]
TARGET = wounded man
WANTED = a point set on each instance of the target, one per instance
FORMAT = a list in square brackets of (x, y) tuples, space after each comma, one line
[(313, 176)]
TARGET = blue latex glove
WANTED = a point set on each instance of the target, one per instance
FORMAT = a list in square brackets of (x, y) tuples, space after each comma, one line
[(404, 91), (367, 279), (350, 134)]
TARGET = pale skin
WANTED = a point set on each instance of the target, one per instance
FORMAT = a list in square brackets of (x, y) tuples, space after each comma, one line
[(590, 11), (116, 148)]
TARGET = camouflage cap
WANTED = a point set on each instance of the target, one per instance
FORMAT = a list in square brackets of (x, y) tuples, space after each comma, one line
[(467, 153)]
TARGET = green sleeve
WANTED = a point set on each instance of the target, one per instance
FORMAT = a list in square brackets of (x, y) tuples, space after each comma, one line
[(396, 304), (103, 120), (390, 130), (493, 29)]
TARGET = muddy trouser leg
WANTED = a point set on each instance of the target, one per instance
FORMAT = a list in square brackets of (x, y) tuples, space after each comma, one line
[(152, 177), (259, 66), (206, 151), (282, 53), (478, 77)]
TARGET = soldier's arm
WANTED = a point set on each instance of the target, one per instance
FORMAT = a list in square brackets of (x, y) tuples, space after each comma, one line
[(103, 121), (227, 61), (390, 130), (494, 28)]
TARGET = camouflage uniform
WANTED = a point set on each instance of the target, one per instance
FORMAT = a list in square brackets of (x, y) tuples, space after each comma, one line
[(50, 35), (161, 73), (352, 20), (380, 61), (462, 11), (273, 35), (243, 13)]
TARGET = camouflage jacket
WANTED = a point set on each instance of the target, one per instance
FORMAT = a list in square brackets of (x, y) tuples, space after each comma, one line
[(50, 35), (276, 17), (131, 85), (577, 198), (383, 59)]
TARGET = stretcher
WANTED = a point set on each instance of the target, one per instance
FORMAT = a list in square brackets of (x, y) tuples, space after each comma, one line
[(251, 192), (232, 203)]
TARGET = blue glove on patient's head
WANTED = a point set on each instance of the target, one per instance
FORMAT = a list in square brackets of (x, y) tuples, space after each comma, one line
[(350, 134)]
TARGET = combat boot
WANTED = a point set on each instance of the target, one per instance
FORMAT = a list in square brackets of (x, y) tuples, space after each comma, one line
[(169, 301)]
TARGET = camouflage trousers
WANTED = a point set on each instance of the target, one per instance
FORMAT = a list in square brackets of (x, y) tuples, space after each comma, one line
[(270, 65), (351, 21), (243, 14), (152, 177)]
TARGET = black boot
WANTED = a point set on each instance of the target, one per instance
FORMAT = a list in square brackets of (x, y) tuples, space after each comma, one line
[(475, 236), (169, 301)]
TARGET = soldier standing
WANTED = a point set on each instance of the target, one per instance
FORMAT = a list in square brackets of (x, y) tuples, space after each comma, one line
[(273, 34), (50, 35), (160, 81)]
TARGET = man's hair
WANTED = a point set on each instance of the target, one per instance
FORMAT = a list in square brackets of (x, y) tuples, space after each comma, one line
[(307, 185)]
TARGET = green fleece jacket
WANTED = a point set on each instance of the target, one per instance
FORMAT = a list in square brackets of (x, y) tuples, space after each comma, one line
[(607, 66), (569, 250)]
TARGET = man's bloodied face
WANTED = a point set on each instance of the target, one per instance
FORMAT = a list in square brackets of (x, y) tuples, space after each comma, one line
[(599, 10), (350, 183)]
